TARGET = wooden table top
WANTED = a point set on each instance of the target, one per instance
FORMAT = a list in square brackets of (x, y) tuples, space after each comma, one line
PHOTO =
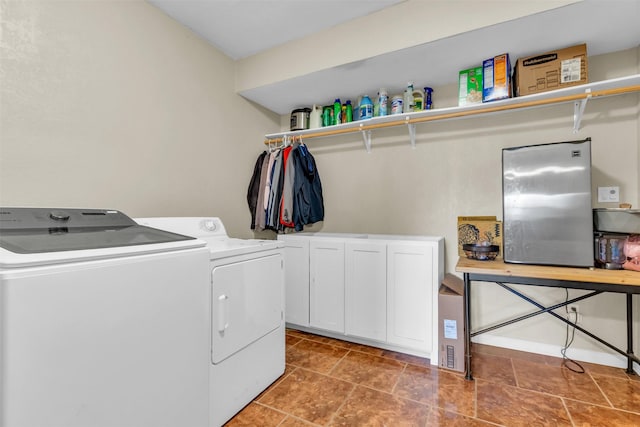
[(593, 275)]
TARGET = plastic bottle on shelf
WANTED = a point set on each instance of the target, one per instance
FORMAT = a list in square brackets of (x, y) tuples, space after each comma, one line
[(428, 104), (383, 101), (396, 104), (407, 101), (366, 108), (315, 118), (337, 112), (356, 109), (349, 112), (418, 100), (327, 115)]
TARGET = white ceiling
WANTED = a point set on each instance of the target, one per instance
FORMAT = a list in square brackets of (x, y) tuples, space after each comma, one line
[(242, 28)]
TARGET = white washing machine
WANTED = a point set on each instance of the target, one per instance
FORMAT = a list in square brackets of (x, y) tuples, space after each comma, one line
[(103, 322), (247, 334)]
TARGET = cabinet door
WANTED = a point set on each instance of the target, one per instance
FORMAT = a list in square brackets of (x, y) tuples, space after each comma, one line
[(296, 258), (327, 285), (366, 290), (410, 295)]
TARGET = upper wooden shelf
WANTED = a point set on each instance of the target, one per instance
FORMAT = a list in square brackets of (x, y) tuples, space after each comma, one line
[(579, 95)]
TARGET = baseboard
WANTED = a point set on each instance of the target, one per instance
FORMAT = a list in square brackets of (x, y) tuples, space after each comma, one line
[(581, 355), (433, 357)]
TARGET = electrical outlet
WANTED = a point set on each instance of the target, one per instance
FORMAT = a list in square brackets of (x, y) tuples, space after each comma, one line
[(573, 314)]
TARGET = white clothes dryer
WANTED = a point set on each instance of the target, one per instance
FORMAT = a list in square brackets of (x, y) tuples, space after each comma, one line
[(247, 327), (103, 322)]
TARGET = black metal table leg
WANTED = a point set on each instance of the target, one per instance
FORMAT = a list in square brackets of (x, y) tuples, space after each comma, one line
[(630, 333), (467, 326)]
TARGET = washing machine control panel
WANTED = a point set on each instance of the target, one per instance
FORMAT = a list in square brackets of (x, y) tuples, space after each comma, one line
[(199, 227), (209, 224)]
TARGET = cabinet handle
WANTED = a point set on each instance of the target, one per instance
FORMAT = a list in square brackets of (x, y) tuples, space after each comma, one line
[(223, 324)]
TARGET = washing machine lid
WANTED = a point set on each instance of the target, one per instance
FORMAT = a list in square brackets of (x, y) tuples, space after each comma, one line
[(30, 236), (212, 231)]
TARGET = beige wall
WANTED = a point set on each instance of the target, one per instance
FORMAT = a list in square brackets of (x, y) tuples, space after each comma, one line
[(455, 170), (112, 104), (451, 18)]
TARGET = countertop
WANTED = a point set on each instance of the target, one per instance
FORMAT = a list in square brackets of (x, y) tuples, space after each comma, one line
[(594, 275)]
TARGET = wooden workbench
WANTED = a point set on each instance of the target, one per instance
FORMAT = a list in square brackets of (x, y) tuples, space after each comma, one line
[(593, 275), (592, 279)]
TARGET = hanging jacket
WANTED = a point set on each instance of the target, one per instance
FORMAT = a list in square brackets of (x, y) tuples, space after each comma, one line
[(254, 188), (261, 206), (273, 211), (286, 206), (308, 204), (267, 188)]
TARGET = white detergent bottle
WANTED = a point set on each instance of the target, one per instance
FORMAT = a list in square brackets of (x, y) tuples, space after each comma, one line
[(407, 101), (315, 118)]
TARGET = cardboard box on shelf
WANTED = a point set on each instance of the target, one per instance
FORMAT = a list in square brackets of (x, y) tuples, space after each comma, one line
[(552, 70), (470, 86), (475, 229), (496, 78), (451, 323)]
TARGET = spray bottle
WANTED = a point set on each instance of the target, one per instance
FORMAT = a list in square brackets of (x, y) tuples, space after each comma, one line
[(428, 104)]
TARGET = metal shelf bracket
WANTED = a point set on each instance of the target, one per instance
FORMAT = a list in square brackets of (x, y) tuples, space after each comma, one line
[(578, 111), (366, 136), (412, 134)]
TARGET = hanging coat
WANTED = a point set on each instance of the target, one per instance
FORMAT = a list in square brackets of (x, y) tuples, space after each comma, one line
[(308, 205), (286, 203), (254, 188), (277, 179), (261, 207)]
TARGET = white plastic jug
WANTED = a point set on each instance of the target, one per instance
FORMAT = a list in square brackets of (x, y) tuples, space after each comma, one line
[(315, 118)]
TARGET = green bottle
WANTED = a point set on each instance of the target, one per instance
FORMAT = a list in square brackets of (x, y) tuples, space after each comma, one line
[(349, 115), (337, 112)]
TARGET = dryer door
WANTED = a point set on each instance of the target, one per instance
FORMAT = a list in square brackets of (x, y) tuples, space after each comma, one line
[(247, 303)]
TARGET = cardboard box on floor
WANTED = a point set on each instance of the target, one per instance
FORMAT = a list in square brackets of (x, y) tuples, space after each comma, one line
[(451, 323), (551, 70)]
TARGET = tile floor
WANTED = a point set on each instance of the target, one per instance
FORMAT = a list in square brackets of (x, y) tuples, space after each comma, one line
[(329, 382)]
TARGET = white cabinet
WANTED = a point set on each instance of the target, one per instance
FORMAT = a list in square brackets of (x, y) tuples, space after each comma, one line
[(326, 288), (366, 289), (411, 276), (379, 290), (296, 255)]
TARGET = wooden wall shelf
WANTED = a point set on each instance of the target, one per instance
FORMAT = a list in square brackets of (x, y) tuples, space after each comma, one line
[(579, 95)]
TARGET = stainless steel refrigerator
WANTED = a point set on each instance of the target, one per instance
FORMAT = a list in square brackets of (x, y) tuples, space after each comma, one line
[(547, 214)]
